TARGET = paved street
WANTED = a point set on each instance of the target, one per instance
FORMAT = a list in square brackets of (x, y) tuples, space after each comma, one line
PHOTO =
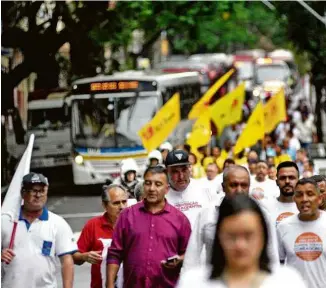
[(76, 210)]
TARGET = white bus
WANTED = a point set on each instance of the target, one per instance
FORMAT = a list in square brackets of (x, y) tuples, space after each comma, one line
[(49, 120), (108, 111)]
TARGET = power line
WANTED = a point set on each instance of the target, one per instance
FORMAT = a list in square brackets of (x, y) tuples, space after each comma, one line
[(312, 11), (268, 4)]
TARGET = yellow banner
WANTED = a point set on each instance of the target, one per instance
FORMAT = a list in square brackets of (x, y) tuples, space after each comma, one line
[(275, 111), (203, 102), (160, 127), (201, 132), (228, 110), (253, 131)]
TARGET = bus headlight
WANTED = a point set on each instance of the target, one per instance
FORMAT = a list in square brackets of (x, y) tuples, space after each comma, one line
[(79, 159)]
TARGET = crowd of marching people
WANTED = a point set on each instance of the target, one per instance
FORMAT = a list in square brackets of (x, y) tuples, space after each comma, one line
[(258, 220), (190, 218)]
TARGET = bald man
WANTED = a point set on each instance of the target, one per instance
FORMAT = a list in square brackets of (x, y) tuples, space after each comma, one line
[(96, 235), (236, 180)]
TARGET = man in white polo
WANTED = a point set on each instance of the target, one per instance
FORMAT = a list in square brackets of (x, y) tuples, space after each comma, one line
[(186, 194), (41, 237), (302, 237)]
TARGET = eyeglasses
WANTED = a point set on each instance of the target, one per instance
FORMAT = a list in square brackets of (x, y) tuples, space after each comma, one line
[(34, 192)]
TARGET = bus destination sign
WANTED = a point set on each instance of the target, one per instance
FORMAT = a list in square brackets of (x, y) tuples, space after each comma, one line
[(113, 86)]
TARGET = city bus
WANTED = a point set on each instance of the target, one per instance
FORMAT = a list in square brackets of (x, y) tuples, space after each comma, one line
[(108, 111), (49, 120)]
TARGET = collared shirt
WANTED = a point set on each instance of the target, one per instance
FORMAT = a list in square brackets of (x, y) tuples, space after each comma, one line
[(37, 246), (141, 240), (96, 234)]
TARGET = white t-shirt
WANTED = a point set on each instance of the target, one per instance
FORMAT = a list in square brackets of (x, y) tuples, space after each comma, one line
[(279, 210), (215, 185), (268, 188), (302, 244), (295, 143), (203, 235), (191, 200), (202, 238), (37, 248), (282, 277)]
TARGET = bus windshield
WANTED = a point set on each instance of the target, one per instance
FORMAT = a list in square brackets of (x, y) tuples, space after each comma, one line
[(111, 122), (48, 119), (271, 72)]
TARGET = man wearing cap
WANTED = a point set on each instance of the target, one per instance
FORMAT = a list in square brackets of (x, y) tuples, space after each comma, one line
[(186, 194), (41, 237)]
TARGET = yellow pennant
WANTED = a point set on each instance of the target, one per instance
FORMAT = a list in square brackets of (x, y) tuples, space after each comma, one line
[(201, 132), (253, 132), (275, 111), (228, 110), (203, 102), (160, 127)]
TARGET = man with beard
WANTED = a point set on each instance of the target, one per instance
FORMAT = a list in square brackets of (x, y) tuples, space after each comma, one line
[(236, 180), (186, 194), (284, 206)]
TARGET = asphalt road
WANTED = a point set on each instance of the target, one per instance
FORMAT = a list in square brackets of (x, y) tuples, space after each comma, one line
[(76, 208)]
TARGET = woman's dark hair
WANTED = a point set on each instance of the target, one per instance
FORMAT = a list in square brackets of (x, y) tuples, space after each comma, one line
[(232, 206)]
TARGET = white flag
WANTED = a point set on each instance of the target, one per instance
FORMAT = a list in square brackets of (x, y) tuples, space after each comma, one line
[(12, 202)]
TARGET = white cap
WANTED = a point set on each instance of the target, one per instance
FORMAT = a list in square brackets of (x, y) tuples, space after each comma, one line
[(166, 146)]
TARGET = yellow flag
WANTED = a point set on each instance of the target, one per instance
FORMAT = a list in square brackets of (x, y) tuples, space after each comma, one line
[(228, 110), (275, 111), (253, 131), (201, 132), (203, 102), (160, 127)]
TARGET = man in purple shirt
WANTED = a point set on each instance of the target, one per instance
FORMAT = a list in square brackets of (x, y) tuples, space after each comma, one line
[(146, 235)]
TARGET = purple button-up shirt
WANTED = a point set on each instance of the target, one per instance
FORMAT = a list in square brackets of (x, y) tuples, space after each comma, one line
[(141, 240)]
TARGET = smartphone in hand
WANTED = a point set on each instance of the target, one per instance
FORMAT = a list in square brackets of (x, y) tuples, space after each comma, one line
[(171, 259)]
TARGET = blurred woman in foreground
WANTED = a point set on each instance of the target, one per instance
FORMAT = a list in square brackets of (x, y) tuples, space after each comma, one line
[(239, 256)]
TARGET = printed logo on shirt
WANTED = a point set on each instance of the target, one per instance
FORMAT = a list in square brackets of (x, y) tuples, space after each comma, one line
[(308, 246), (282, 216), (186, 206), (258, 192)]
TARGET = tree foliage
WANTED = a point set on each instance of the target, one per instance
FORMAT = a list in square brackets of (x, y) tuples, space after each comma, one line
[(308, 35)]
